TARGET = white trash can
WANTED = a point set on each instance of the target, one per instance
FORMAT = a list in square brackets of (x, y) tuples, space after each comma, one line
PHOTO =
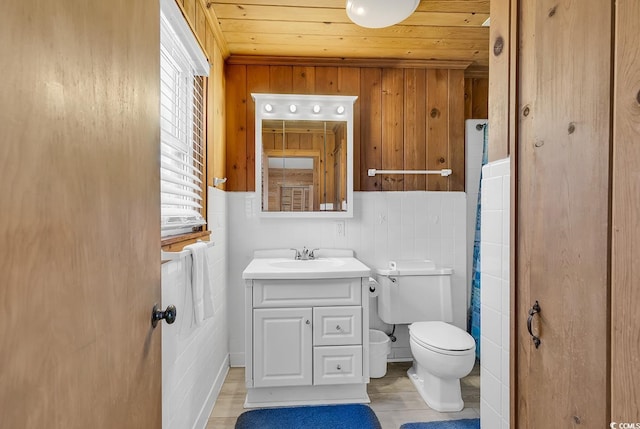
[(379, 348)]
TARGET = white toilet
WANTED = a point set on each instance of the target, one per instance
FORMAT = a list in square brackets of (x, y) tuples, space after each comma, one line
[(418, 293)]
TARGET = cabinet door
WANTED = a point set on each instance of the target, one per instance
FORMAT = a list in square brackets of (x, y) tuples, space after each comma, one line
[(282, 347)]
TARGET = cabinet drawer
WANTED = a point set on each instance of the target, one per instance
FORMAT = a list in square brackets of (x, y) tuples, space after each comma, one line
[(334, 326), (306, 293), (337, 365)]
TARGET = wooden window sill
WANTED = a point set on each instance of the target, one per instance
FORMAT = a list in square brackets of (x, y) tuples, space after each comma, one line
[(176, 244)]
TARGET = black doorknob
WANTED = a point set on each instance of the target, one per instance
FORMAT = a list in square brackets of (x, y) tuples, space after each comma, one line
[(169, 315)]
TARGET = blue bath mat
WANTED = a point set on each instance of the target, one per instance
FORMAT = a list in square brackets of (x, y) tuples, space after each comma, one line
[(351, 416), (447, 424)]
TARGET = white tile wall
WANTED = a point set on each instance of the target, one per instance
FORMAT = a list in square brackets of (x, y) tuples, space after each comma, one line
[(494, 311), (195, 359), (385, 226)]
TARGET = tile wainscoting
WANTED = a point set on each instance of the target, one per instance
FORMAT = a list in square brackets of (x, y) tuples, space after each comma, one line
[(494, 311), (195, 360)]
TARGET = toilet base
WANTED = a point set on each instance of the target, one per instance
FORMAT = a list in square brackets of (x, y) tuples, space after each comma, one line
[(443, 395)]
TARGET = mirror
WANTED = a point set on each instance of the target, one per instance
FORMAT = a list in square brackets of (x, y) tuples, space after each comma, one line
[(305, 162)]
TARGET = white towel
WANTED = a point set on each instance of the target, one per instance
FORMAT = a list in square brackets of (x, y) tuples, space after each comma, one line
[(200, 282)]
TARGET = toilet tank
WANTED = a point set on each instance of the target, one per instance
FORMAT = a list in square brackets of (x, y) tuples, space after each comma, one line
[(414, 291)]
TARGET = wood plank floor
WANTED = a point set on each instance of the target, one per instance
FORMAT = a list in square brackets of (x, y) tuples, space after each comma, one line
[(393, 398)]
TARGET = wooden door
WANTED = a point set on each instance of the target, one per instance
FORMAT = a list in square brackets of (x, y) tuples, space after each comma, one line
[(79, 214), (563, 213), (625, 272), (282, 341)]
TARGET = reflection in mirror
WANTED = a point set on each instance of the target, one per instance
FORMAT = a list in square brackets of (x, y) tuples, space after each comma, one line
[(289, 184), (305, 164)]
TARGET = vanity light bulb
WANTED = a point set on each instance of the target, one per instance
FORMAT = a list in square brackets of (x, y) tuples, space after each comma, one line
[(316, 108), (340, 110), (268, 107), (293, 108)]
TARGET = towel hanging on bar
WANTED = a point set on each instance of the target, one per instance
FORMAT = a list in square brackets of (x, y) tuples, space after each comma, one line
[(201, 287)]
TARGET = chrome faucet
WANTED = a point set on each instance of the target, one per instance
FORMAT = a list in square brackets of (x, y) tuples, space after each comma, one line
[(297, 256), (305, 254)]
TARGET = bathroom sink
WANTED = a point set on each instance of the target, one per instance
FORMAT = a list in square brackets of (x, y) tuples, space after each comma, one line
[(320, 264), (340, 264)]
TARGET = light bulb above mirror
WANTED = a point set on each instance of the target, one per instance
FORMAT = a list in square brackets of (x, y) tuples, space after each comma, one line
[(380, 13)]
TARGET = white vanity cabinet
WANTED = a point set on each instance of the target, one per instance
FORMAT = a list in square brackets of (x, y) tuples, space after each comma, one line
[(306, 341)]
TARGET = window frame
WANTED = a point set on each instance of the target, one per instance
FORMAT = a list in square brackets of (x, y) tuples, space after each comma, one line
[(180, 24)]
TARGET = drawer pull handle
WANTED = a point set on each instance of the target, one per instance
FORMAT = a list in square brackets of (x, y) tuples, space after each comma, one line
[(338, 328), (339, 367), (308, 322)]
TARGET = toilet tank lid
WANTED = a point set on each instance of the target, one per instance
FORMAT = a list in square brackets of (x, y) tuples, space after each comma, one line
[(441, 335), (412, 267)]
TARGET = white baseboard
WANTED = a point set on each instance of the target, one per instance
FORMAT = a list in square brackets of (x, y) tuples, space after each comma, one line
[(205, 412), (401, 359), (236, 359)]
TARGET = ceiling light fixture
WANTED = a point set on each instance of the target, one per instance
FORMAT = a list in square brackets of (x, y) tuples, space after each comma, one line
[(380, 13)]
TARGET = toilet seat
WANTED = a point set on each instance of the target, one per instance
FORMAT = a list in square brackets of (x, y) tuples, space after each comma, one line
[(441, 337)]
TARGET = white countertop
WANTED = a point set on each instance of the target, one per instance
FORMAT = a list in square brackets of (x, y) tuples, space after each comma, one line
[(326, 266)]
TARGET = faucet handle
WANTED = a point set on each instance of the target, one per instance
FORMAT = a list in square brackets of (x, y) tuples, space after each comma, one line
[(297, 256), (312, 254)]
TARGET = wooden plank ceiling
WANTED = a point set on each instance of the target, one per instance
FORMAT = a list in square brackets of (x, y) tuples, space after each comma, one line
[(438, 30)]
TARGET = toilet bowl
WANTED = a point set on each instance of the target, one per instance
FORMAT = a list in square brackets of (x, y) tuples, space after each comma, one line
[(418, 293), (442, 355)]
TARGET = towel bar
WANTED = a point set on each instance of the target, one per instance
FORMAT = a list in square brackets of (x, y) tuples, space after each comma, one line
[(175, 256), (444, 172)]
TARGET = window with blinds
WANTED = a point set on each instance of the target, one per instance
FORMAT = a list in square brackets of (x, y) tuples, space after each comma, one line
[(183, 70)]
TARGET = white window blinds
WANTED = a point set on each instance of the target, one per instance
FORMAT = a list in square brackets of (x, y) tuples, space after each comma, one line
[(182, 110)]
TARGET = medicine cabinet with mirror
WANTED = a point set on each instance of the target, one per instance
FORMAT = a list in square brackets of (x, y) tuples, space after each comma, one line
[(304, 155)]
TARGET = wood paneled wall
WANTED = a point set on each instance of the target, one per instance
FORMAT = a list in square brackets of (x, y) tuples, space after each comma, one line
[(404, 118), (476, 98), (502, 82), (205, 32), (216, 125)]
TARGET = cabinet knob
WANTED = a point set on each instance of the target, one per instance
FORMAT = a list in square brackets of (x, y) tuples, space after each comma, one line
[(339, 367), (338, 328), (308, 322)]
